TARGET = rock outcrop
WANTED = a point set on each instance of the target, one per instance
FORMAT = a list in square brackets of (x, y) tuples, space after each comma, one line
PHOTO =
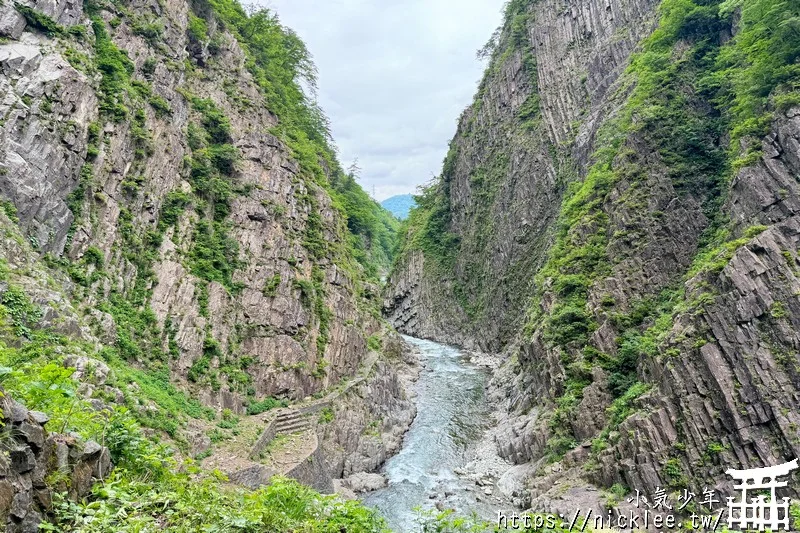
[(366, 424), (595, 223), (243, 302), (36, 462)]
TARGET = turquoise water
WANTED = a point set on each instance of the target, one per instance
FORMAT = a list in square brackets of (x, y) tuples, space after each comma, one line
[(451, 415)]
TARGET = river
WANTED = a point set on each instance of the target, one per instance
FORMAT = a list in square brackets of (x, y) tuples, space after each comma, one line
[(452, 415)]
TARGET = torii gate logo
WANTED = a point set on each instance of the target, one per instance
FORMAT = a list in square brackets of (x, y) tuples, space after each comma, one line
[(758, 513)]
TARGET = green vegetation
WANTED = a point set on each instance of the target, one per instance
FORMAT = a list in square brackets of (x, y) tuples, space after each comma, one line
[(324, 316), (759, 68), (10, 210), (280, 63), (148, 486), (198, 29), (428, 225), (37, 369), (93, 138), (213, 256), (22, 313), (326, 416), (151, 29), (258, 407), (271, 286), (116, 69), (673, 472), (137, 502), (39, 21), (778, 310), (374, 343), (373, 231)]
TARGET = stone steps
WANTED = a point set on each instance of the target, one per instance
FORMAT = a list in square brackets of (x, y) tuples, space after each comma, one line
[(291, 422)]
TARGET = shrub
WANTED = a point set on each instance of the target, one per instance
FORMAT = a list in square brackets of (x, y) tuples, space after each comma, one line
[(214, 254), (94, 256), (39, 21), (24, 314), (160, 106), (569, 324), (271, 286), (9, 209), (623, 407), (198, 29), (307, 293), (326, 416), (175, 203), (256, 408), (150, 30), (374, 343), (149, 67), (116, 69)]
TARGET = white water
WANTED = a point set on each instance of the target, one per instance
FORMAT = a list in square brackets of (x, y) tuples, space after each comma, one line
[(451, 416)]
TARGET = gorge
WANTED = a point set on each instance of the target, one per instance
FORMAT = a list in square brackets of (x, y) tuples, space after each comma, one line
[(616, 215), (200, 309)]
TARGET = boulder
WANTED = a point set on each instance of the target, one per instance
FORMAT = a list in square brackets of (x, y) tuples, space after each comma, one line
[(365, 482)]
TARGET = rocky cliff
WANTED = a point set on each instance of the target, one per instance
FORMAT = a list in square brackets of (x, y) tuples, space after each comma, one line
[(203, 225), (617, 214), (179, 242)]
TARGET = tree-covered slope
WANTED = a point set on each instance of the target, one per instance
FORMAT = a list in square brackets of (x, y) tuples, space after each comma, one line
[(400, 206)]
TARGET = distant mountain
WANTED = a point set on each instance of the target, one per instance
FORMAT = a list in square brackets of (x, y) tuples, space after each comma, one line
[(399, 205)]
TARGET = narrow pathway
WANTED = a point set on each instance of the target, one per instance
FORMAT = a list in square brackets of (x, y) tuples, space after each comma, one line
[(278, 441)]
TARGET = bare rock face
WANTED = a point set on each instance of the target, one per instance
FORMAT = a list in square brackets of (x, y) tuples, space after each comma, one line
[(767, 192), (718, 384), (44, 101), (90, 189), (11, 23), (365, 482), (34, 454), (365, 425)]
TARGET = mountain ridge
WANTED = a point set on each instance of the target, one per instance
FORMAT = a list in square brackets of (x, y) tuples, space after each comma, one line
[(399, 205)]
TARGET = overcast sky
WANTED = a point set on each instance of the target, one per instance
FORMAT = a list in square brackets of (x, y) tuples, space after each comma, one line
[(393, 78)]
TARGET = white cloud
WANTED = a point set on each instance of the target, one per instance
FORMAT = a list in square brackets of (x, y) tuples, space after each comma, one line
[(393, 78)]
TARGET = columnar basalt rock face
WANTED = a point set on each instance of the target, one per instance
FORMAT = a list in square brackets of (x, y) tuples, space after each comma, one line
[(553, 88), (712, 376), (581, 50), (82, 183), (366, 425), (737, 390), (44, 103)]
